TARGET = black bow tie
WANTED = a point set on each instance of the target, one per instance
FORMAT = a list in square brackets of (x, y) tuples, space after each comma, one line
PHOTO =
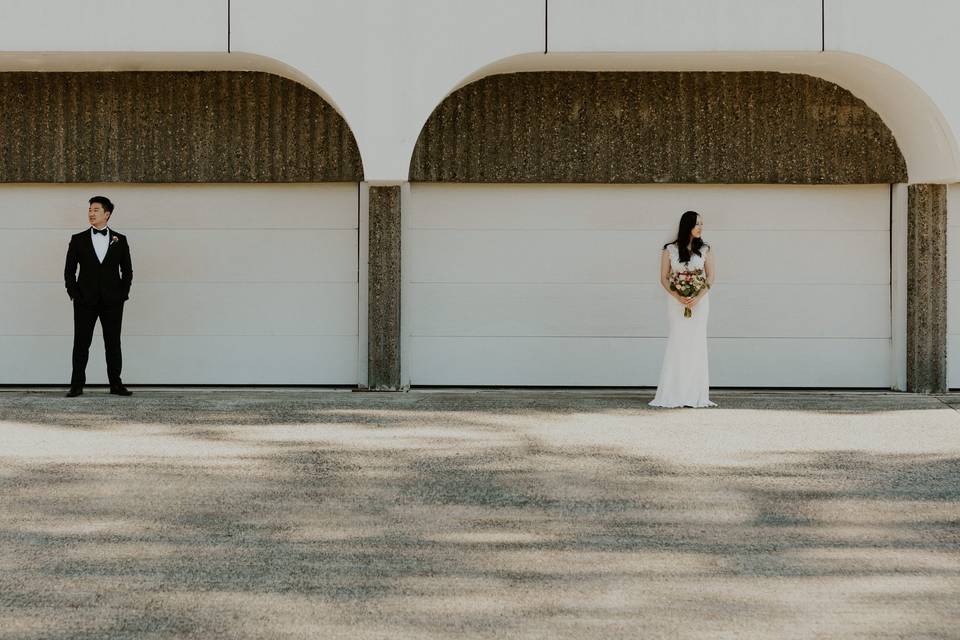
[(102, 232)]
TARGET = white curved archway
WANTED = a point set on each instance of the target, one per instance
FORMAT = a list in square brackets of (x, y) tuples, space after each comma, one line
[(920, 128), (80, 62), (922, 132)]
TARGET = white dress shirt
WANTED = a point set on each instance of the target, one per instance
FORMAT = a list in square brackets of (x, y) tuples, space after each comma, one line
[(100, 243)]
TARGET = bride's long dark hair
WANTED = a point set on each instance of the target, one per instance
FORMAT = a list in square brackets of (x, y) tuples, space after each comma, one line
[(684, 237)]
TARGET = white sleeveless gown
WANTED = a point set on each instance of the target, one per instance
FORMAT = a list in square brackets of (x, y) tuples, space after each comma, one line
[(684, 377)]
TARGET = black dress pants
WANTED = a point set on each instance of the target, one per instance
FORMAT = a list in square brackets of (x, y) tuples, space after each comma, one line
[(84, 320)]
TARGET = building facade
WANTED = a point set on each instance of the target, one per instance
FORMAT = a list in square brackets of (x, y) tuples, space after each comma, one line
[(455, 192)]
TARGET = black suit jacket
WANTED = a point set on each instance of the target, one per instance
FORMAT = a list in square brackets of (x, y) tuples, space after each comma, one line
[(108, 281)]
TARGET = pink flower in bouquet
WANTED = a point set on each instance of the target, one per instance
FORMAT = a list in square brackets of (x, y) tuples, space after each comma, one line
[(688, 284)]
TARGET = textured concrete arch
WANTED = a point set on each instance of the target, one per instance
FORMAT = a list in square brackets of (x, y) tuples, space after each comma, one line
[(663, 127), (170, 126)]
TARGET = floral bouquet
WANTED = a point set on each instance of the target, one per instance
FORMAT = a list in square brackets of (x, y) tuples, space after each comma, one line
[(688, 284)]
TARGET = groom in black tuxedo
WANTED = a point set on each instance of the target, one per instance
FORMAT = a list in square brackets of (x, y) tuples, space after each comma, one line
[(103, 285)]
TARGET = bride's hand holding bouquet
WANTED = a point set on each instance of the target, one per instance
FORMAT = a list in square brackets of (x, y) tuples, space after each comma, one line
[(689, 287)]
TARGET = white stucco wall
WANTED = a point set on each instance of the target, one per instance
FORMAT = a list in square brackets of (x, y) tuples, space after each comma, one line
[(668, 25), (112, 25), (386, 64), (917, 39)]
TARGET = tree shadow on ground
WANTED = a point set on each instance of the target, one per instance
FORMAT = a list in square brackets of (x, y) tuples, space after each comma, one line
[(191, 408), (518, 539)]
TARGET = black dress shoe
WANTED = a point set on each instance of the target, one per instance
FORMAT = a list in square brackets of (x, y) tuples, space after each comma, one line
[(120, 390), (74, 392)]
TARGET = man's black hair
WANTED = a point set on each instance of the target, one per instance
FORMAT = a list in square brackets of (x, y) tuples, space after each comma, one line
[(104, 201)]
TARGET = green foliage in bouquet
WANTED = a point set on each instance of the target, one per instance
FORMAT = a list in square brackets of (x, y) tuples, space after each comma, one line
[(688, 284)]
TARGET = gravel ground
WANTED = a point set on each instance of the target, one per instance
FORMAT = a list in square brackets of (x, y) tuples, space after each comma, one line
[(295, 513)]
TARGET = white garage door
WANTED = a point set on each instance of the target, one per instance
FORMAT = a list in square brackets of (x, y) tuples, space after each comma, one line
[(557, 285), (233, 284)]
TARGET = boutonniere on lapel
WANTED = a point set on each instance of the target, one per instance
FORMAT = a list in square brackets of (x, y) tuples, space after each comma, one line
[(114, 239)]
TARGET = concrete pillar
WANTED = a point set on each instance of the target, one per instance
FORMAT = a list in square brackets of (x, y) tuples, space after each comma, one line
[(927, 288), (898, 285), (383, 304)]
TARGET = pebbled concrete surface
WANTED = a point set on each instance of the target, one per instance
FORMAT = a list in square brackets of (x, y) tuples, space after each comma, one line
[(288, 513)]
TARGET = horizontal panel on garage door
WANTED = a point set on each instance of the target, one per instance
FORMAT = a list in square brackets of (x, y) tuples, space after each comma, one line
[(203, 308), (610, 362), (233, 284), (190, 207), (190, 359), (602, 256), (796, 266), (615, 310), (225, 255), (791, 207)]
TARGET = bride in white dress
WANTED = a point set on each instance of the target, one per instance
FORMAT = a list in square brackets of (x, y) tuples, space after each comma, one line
[(684, 377)]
